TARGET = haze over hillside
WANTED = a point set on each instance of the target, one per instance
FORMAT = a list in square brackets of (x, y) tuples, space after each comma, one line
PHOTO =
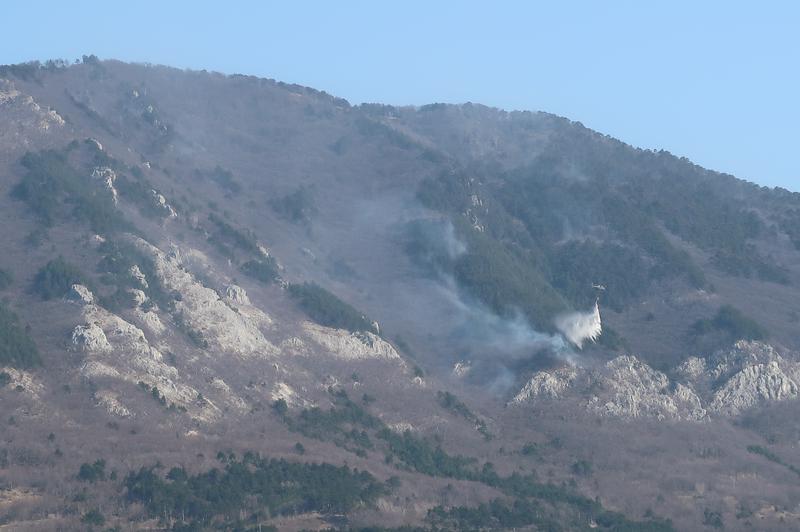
[(473, 318)]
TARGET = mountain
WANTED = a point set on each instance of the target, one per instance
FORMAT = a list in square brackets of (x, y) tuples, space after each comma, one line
[(234, 303)]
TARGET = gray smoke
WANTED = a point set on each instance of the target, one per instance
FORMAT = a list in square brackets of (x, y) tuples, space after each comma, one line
[(500, 349)]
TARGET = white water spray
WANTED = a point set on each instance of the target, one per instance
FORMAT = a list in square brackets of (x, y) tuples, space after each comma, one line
[(577, 327)]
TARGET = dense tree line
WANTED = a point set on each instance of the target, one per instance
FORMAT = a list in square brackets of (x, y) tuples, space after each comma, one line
[(263, 486), (525, 513)]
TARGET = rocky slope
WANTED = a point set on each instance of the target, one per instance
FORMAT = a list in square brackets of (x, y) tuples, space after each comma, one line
[(164, 232), (748, 375)]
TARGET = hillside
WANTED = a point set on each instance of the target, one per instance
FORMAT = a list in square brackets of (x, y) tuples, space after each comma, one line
[(233, 303)]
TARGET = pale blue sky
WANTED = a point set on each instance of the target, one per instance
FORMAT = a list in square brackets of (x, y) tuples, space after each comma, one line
[(717, 82)]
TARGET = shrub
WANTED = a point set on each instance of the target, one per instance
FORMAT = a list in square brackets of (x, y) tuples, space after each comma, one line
[(296, 207), (92, 472), (581, 468), (244, 240), (733, 323), (224, 178), (55, 278), (16, 346), (264, 270), (5, 279), (326, 309), (281, 407), (93, 518)]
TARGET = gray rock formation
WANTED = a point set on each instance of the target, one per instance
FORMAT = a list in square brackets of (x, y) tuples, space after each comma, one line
[(729, 382)]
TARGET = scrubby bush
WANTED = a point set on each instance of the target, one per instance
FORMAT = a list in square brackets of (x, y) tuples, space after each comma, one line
[(225, 179), (55, 278), (296, 207), (16, 346), (326, 309), (5, 279), (93, 518), (92, 472), (264, 270), (732, 322)]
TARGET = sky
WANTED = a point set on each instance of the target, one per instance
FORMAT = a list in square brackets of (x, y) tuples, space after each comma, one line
[(717, 82)]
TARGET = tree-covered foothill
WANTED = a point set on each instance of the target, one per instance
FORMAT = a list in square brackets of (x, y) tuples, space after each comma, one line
[(55, 278), (326, 309), (17, 348), (255, 486), (589, 210)]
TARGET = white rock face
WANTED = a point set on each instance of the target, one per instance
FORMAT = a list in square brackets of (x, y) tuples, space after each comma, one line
[(80, 294), (20, 378), (138, 296), (461, 369), (281, 390), (90, 338), (237, 294), (22, 117), (550, 384), (692, 368), (225, 330), (161, 202), (107, 176), (731, 381), (401, 427), (111, 402), (689, 403), (150, 321), (755, 384), (744, 353), (638, 390), (137, 275), (347, 345), (116, 349)]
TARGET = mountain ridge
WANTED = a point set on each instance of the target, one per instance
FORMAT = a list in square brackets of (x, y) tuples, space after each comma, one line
[(228, 265)]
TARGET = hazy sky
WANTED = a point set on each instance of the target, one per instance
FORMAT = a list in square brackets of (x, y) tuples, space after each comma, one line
[(717, 82)]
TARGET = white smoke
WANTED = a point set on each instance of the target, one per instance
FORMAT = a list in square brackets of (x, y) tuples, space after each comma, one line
[(577, 327)]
